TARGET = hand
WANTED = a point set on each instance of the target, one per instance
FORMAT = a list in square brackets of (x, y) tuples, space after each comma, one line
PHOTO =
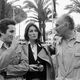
[(15, 42), (33, 67), (40, 68)]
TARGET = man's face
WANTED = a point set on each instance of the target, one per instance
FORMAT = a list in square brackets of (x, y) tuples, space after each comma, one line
[(62, 27), (32, 33), (10, 34)]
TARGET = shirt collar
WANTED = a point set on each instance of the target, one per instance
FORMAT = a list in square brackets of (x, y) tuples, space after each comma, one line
[(31, 44), (77, 36), (1, 43)]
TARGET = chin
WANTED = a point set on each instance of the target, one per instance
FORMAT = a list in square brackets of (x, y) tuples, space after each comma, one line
[(9, 41)]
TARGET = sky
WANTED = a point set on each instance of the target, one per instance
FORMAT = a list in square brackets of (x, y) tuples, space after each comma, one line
[(60, 11)]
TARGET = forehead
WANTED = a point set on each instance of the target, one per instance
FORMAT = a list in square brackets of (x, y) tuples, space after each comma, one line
[(32, 28), (11, 27)]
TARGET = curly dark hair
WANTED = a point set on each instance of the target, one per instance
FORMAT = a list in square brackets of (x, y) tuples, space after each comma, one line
[(4, 24)]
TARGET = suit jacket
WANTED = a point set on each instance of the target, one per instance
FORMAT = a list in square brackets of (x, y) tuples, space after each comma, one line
[(44, 54), (17, 64)]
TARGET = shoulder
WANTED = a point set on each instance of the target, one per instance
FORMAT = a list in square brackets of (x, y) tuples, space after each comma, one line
[(19, 48)]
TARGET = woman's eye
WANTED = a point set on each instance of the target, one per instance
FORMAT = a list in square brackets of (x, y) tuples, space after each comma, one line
[(36, 31), (12, 31), (31, 31)]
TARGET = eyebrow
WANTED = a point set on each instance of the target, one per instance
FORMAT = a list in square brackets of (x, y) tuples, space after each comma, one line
[(12, 31)]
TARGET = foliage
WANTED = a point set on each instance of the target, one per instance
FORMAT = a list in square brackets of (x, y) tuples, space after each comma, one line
[(6, 11), (41, 12), (40, 9), (74, 6), (2, 9), (20, 15)]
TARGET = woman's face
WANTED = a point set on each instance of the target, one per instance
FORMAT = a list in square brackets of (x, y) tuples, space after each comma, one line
[(32, 33)]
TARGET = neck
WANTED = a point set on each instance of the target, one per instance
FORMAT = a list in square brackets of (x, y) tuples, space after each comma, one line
[(32, 42)]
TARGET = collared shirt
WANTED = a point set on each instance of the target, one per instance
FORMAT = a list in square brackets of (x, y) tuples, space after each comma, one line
[(2, 44), (34, 50), (68, 54), (76, 36)]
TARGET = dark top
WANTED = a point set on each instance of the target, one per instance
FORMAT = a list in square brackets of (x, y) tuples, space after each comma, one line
[(36, 74)]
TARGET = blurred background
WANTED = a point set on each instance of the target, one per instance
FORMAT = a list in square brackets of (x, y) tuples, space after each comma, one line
[(43, 13)]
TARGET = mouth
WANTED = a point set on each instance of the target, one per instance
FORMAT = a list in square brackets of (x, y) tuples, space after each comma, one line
[(34, 36), (11, 37)]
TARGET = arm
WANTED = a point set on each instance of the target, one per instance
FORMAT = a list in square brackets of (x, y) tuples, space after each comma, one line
[(5, 58), (22, 67), (6, 55), (55, 63)]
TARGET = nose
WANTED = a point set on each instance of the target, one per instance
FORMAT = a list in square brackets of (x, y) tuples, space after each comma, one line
[(34, 32)]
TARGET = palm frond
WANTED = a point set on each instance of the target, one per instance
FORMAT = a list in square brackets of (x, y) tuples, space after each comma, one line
[(69, 6), (47, 5), (29, 4), (77, 10), (30, 10), (46, 1), (49, 11), (36, 18), (31, 20), (74, 7)]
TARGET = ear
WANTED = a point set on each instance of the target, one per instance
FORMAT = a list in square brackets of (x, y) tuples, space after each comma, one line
[(66, 24)]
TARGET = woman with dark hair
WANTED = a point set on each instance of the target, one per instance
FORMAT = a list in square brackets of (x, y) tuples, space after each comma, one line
[(40, 62)]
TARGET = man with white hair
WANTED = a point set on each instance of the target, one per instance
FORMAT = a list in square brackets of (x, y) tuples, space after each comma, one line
[(67, 50)]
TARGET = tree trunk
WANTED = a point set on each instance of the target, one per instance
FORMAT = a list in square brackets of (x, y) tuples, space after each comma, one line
[(43, 31), (40, 27), (2, 9), (54, 5)]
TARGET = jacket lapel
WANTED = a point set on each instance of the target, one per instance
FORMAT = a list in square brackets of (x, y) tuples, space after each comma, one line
[(43, 55), (25, 49)]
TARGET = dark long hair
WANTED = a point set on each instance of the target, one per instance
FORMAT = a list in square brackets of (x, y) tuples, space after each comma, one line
[(26, 32)]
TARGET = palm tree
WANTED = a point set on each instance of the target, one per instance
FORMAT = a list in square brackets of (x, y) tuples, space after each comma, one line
[(54, 5), (16, 11), (74, 6), (41, 11), (19, 14), (6, 11)]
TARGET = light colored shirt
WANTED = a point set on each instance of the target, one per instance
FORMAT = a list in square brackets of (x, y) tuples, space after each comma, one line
[(68, 58), (34, 50)]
